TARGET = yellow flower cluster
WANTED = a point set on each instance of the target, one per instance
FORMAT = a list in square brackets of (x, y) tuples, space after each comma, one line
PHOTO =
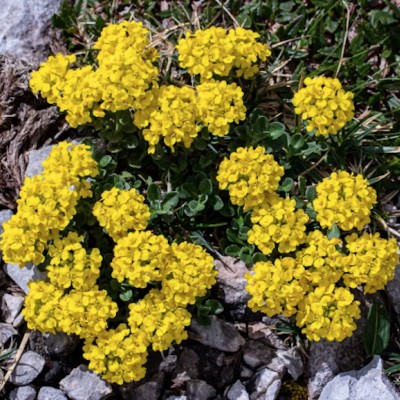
[(308, 284), (41, 306), (49, 308), (345, 200), (278, 287), (216, 51), (249, 175), (220, 104), (125, 73), (140, 257), (118, 355), (324, 104), (172, 114), (188, 274), (71, 265), (371, 261), (328, 312), (276, 221), (47, 203), (162, 321), (119, 211)]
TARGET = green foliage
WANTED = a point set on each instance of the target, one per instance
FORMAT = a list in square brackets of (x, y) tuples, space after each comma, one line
[(377, 329)]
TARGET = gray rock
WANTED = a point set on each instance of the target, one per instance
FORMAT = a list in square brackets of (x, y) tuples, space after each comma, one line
[(82, 384), (276, 365), (26, 27), (368, 383), (292, 360), (23, 393), (28, 368), (246, 372), (6, 332), (237, 392), (393, 290), (265, 385), (231, 281), (168, 364), (50, 393), (327, 359), (260, 330), (60, 344), (36, 157), (176, 398), (257, 353), (11, 305), (151, 389), (5, 215), (19, 320), (219, 335), (200, 390), (21, 276), (188, 362)]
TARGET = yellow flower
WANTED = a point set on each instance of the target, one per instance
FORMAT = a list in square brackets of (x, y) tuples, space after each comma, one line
[(371, 261), (118, 355), (219, 105), (188, 274), (71, 265), (324, 104), (119, 211), (328, 313), (171, 115), (140, 257), (276, 288), (214, 51), (249, 175), (276, 221), (345, 200)]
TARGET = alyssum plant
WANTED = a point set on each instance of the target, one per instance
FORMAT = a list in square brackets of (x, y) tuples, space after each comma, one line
[(122, 271)]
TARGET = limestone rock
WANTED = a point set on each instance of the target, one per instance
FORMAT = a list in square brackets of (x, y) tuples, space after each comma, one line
[(5, 215), (237, 392), (7, 331), (199, 390), (219, 335), (368, 383), (28, 368), (265, 385), (26, 27), (82, 384), (257, 353), (23, 393), (11, 305), (231, 280), (393, 290), (292, 360), (21, 276), (36, 157), (151, 389), (50, 393), (60, 344)]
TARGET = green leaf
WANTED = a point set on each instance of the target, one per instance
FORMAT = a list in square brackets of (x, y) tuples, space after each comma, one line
[(276, 130), (297, 141), (217, 203), (206, 186), (287, 185), (311, 193), (105, 160), (214, 306), (232, 250), (170, 200), (377, 329), (333, 232), (384, 17), (126, 296), (153, 192)]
